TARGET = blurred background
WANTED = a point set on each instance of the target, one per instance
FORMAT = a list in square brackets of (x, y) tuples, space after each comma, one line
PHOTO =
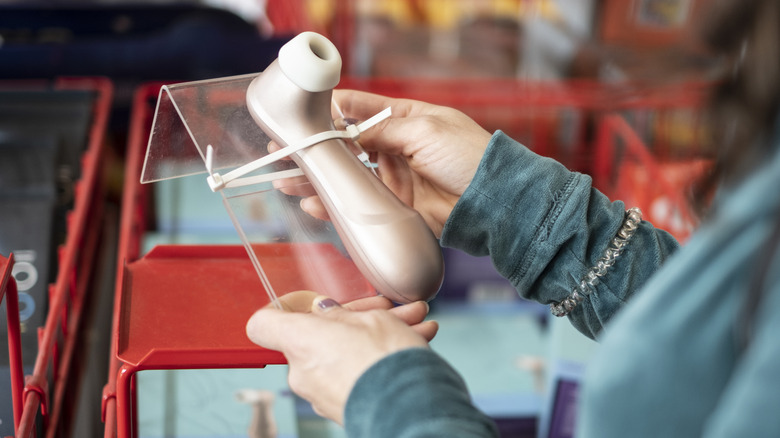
[(611, 88)]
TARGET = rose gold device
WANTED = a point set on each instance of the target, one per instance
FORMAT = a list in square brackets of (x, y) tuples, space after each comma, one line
[(388, 241)]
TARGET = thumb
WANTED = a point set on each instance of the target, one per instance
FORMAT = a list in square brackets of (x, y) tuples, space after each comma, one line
[(271, 328)]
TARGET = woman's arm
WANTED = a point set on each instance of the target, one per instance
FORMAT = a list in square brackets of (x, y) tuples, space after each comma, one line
[(544, 227), (414, 393)]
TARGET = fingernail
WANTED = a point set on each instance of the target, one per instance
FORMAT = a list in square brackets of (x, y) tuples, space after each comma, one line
[(328, 303)]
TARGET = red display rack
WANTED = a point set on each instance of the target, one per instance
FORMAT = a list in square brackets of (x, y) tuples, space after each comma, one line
[(650, 149), (44, 391), (562, 119), (629, 172), (9, 291), (132, 223)]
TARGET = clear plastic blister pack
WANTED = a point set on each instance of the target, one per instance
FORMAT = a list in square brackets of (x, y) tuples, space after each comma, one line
[(192, 118)]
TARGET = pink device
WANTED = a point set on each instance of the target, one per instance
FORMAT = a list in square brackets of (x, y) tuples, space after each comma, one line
[(388, 241)]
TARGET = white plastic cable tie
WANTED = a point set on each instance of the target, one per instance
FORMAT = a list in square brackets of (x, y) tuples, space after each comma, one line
[(338, 108), (209, 159), (353, 131), (376, 118), (214, 179), (363, 156), (356, 129), (218, 182)]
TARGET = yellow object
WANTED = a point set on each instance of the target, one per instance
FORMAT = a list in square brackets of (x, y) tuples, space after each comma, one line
[(443, 14), (447, 14), (320, 12)]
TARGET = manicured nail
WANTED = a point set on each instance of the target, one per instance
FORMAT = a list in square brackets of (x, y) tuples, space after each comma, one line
[(328, 303)]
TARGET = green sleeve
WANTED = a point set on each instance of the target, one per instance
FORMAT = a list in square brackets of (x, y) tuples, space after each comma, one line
[(544, 227), (412, 394)]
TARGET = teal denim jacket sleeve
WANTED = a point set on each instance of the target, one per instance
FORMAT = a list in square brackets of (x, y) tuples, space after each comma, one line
[(544, 227), (414, 393)]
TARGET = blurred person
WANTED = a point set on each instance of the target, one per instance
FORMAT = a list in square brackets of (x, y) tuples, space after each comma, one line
[(688, 334)]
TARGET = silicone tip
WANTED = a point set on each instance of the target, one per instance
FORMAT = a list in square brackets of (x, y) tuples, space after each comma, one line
[(311, 61)]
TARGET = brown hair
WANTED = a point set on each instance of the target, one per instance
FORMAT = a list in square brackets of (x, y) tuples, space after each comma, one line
[(744, 106)]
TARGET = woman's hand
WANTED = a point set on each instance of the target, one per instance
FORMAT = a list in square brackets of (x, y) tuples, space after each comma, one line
[(427, 154), (328, 347)]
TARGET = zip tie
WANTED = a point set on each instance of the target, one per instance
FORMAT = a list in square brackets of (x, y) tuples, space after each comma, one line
[(363, 155), (234, 177)]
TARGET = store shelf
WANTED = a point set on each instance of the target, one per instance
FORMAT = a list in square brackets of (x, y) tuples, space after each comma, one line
[(46, 388)]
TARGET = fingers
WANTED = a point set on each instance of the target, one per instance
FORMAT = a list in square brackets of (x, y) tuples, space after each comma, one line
[(314, 207), (427, 329), (288, 330), (412, 313), (361, 105), (296, 186), (281, 329), (266, 326), (273, 147), (270, 328), (303, 301), (391, 135), (375, 302)]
